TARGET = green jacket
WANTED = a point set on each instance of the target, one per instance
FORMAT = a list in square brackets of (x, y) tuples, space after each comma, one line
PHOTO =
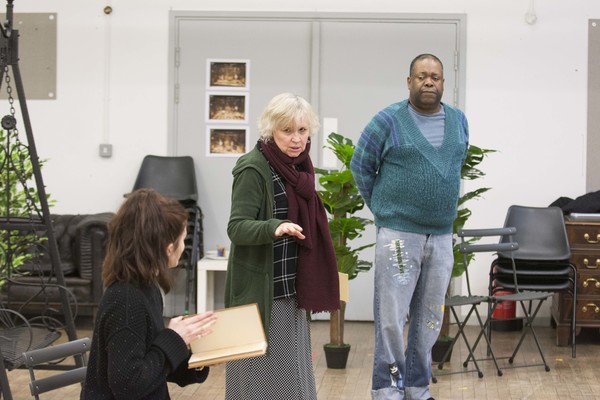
[(251, 229)]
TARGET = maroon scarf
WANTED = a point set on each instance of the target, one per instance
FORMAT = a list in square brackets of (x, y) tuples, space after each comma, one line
[(317, 284)]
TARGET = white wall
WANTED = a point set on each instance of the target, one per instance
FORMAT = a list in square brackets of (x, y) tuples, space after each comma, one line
[(526, 96)]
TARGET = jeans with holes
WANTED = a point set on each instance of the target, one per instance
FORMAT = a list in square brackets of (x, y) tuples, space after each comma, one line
[(412, 272)]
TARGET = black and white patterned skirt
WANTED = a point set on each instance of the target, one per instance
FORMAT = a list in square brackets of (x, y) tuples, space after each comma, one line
[(286, 371)]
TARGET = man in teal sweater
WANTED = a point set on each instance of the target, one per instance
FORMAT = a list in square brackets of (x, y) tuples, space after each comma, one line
[(407, 166)]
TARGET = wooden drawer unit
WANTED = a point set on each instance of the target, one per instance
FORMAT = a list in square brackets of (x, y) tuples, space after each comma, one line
[(584, 240)]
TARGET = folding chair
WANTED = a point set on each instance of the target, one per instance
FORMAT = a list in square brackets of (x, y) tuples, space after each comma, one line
[(540, 265), (54, 355), (473, 301)]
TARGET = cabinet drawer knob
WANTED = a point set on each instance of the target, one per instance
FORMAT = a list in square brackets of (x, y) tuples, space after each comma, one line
[(587, 264), (591, 305), (591, 280), (587, 238)]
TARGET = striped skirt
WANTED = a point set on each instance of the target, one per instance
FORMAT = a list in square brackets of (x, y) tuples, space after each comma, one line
[(286, 371)]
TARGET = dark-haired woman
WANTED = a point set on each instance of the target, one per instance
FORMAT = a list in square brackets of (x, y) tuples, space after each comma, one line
[(133, 354)]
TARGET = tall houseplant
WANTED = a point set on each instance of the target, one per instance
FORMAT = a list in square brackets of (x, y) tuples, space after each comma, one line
[(342, 201), (469, 171)]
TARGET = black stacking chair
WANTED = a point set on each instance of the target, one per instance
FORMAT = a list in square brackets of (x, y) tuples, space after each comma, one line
[(176, 177), (171, 176), (541, 264)]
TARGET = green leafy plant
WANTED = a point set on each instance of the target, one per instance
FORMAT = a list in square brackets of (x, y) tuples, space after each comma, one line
[(469, 171), (342, 201), (19, 198)]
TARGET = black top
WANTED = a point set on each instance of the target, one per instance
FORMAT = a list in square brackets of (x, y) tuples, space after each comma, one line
[(133, 354)]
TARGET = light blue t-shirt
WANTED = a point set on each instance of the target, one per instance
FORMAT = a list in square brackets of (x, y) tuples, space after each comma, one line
[(430, 125)]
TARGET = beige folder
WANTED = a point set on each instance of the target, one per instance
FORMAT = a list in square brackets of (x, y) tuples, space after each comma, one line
[(238, 333)]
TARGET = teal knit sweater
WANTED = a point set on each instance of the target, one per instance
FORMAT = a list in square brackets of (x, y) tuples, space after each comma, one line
[(408, 184)]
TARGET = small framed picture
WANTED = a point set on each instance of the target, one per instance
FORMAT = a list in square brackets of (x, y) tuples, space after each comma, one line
[(230, 107), (228, 141), (228, 74)]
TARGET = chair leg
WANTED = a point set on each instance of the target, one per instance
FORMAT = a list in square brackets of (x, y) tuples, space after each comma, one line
[(4, 386), (488, 326), (187, 289), (449, 350), (574, 314), (461, 332), (482, 333), (529, 324)]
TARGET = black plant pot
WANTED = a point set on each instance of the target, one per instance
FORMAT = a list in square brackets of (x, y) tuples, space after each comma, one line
[(439, 350), (336, 356)]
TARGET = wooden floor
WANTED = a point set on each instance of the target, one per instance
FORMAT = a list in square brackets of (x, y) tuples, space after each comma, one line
[(568, 378)]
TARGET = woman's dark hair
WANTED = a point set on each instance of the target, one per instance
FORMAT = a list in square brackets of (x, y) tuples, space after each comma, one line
[(138, 237)]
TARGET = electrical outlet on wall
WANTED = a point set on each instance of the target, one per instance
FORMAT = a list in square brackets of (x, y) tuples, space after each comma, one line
[(106, 150)]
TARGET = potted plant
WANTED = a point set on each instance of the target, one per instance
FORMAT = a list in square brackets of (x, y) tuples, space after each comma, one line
[(16, 201), (342, 201), (469, 171)]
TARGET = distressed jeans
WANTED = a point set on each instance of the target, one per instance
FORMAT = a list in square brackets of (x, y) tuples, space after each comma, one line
[(412, 272)]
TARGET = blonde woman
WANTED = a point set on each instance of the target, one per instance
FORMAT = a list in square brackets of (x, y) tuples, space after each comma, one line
[(281, 254)]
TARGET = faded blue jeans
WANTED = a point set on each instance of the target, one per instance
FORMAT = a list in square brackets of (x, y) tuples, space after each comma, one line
[(412, 272)]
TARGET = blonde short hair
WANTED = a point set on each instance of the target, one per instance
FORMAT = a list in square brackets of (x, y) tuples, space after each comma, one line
[(286, 110)]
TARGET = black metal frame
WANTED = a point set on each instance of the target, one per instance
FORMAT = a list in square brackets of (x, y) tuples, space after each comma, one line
[(474, 301), (9, 58)]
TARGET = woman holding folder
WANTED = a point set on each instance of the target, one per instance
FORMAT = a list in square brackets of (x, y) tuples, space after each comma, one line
[(133, 354), (281, 254)]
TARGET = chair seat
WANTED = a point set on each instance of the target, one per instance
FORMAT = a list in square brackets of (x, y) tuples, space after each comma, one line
[(506, 282), (562, 269), (522, 296), (457, 301), (15, 341)]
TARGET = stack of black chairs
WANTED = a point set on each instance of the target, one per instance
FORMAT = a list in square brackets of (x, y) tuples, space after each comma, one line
[(175, 177), (532, 263), (540, 265)]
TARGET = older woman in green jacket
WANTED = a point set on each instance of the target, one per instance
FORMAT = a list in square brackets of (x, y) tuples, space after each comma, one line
[(281, 254)]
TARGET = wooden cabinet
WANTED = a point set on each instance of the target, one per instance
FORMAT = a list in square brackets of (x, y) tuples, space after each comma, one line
[(584, 240)]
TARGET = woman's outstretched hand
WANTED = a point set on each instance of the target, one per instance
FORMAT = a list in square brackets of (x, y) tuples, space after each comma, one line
[(289, 228), (194, 326)]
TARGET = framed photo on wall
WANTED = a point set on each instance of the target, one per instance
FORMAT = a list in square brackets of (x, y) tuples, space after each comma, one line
[(226, 141), (228, 74), (227, 107)]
